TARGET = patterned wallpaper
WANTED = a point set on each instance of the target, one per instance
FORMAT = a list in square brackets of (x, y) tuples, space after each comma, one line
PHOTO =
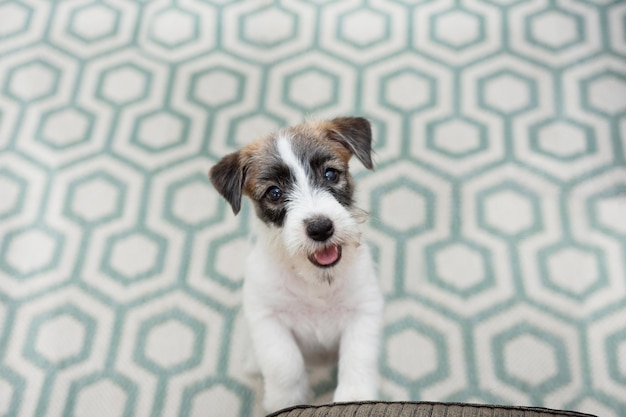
[(497, 208)]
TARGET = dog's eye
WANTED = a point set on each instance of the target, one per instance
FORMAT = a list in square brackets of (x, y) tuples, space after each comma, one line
[(274, 193), (331, 175)]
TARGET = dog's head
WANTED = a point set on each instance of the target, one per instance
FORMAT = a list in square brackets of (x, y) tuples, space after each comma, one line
[(299, 183)]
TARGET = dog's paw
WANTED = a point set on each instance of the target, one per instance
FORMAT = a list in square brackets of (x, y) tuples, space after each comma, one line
[(278, 398), (354, 392)]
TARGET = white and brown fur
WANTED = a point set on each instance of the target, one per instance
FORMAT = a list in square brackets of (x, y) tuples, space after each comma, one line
[(310, 288)]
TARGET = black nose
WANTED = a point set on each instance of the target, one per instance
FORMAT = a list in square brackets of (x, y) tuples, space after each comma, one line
[(319, 228)]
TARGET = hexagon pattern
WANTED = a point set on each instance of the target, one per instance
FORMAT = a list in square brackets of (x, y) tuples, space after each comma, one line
[(102, 398), (555, 29), (95, 198), (32, 81), (134, 256), (124, 85), (457, 29), (257, 26), (60, 338), (573, 270), (458, 267), (173, 27), (407, 90), (408, 366), (93, 22), (26, 252), (520, 351), (363, 27), (507, 92), (598, 86), (172, 345), (16, 20), (457, 138), (532, 360), (509, 210), (161, 130), (497, 209), (564, 140), (66, 330)]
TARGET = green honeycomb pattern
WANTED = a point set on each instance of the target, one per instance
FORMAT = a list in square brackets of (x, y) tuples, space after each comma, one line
[(497, 208)]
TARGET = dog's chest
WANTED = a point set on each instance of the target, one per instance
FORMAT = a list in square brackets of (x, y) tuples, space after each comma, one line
[(316, 321)]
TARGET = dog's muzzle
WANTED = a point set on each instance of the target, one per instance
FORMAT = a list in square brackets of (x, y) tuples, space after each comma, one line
[(321, 229)]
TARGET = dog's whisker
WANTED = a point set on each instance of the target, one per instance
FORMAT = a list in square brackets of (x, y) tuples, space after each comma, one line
[(359, 215)]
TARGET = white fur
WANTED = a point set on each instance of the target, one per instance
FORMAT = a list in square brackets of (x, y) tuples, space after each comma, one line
[(295, 312)]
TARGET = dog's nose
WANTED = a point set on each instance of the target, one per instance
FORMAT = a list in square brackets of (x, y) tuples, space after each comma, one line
[(319, 228)]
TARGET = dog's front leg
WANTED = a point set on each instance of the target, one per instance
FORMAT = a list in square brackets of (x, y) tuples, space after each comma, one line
[(358, 360), (282, 365)]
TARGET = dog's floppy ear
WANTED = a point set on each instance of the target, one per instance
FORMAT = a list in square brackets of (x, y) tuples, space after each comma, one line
[(355, 133), (228, 177)]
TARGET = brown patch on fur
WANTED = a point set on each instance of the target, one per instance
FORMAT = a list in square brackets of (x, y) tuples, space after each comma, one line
[(320, 131), (253, 157), (324, 134), (247, 172), (355, 134)]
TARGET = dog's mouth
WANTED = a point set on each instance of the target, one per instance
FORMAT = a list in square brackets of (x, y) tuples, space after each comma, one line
[(326, 257)]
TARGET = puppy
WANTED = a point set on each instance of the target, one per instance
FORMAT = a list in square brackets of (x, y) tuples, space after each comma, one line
[(309, 288)]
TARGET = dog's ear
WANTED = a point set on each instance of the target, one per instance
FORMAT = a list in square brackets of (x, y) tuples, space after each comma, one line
[(228, 177), (355, 133)]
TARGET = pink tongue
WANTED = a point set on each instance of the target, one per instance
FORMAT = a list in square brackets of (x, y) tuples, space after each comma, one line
[(327, 255)]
